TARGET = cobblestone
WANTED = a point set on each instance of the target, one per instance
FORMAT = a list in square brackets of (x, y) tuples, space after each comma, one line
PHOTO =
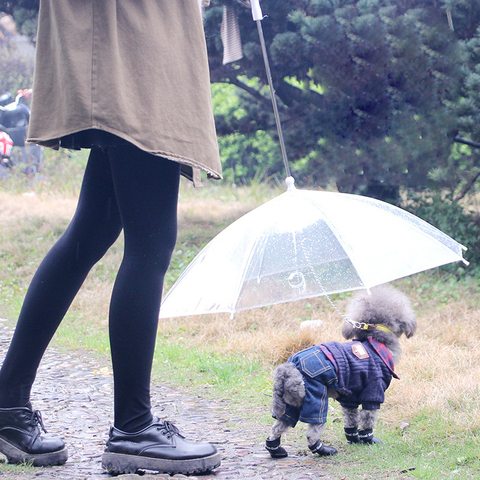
[(74, 392)]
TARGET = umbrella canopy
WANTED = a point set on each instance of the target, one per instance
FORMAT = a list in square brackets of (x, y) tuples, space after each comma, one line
[(304, 244)]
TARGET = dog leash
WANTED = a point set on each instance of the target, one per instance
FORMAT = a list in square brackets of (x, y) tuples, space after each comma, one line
[(358, 325), (346, 318)]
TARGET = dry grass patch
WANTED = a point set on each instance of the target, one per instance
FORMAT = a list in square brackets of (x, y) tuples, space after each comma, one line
[(268, 334), (14, 207), (440, 368)]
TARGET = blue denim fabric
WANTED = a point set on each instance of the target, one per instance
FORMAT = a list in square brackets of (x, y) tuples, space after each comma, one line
[(319, 374)]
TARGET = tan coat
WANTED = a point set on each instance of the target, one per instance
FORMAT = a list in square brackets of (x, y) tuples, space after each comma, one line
[(134, 68)]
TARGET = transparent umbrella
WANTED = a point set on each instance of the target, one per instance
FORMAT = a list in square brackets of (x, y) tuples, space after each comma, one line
[(304, 244)]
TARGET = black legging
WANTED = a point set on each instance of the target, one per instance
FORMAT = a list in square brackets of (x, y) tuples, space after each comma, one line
[(123, 187)]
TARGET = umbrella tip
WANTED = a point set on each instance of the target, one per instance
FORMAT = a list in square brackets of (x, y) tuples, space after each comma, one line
[(290, 181)]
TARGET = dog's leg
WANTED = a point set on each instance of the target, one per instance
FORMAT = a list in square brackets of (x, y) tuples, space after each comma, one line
[(278, 429), (273, 441), (369, 418), (368, 421), (314, 434), (351, 420)]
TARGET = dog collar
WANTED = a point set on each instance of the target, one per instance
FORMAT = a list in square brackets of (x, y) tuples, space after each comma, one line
[(383, 328), (369, 326)]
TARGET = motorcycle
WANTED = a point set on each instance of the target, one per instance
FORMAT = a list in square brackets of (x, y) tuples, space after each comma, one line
[(14, 119)]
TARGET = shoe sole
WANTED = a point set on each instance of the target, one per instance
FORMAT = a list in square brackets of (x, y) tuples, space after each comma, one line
[(15, 455), (117, 463)]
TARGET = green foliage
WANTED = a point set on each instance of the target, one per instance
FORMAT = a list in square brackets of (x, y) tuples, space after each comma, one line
[(61, 173), (366, 89), (16, 72), (249, 157), (371, 92), (462, 170), (25, 14), (453, 219), (245, 156)]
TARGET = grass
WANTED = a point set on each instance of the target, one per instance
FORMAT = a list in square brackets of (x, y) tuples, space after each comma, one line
[(430, 423)]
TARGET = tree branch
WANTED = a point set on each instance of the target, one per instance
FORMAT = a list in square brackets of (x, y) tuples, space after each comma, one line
[(255, 93), (465, 141), (466, 188)]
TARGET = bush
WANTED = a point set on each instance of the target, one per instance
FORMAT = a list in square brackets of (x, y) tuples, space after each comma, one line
[(16, 72)]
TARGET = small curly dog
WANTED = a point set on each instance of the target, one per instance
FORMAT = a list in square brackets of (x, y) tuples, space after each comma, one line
[(354, 373)]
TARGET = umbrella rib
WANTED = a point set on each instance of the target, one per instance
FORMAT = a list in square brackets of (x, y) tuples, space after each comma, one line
[(416, 225), (342, 242), (241, 279), (431, 237)]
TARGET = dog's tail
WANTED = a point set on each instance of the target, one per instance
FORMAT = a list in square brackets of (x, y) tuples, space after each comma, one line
[(288, 387)]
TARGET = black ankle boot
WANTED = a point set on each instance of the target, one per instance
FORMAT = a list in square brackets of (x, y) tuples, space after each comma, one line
[(366, 436), (351, 434), (158, 447), (20, 439), (320, 449), (274, 448)]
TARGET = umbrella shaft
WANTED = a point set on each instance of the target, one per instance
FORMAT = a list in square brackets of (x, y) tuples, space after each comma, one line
[(274, 100)]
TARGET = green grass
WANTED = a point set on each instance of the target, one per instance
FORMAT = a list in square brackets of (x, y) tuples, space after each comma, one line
[(60, 175), (75, 332), (234, 359), (427, 449), (17, 470), (231, 375)]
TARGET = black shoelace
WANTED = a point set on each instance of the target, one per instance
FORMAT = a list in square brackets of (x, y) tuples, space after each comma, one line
[(170, 429), (36, 419)]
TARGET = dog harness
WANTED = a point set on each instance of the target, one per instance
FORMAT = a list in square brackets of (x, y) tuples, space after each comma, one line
[(360, 371)]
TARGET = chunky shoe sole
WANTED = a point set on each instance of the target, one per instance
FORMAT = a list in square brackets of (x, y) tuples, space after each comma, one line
[(15, 455), (117, 463)]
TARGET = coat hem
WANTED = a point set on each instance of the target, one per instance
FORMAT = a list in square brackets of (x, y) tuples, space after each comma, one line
[(54, 143)]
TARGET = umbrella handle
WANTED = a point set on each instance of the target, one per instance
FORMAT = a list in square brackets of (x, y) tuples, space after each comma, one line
[(256, 10)]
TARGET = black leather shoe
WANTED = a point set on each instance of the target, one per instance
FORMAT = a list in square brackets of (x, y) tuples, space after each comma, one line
[(274, 448), (158, 447), (21, 442), (320, 449)]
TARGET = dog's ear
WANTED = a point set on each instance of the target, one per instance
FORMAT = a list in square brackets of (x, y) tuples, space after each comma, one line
[(409, 324), (348, 331), (402, 313)]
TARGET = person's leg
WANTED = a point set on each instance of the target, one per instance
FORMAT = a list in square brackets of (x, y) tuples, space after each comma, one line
[(94, 227), (147, 189)]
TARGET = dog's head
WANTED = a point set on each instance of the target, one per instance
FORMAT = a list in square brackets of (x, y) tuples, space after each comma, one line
[(384, 306)]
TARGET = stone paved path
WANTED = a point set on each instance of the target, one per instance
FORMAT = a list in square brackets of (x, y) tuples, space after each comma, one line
[(74, 393)]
